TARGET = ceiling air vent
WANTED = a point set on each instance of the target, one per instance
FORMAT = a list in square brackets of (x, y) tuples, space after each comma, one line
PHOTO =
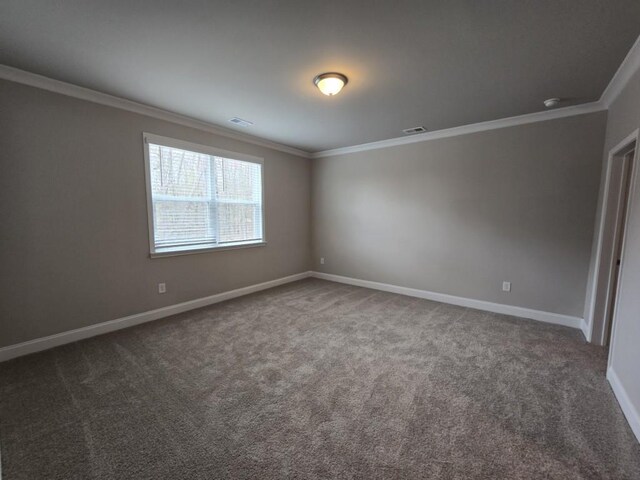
[(241, 122), (411, 131)]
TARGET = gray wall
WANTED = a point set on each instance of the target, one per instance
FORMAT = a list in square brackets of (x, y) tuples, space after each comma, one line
[(74, 247), (624, 118), (460, 215)]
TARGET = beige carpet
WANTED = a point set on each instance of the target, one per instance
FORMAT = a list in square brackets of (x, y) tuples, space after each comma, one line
[(318, 380)]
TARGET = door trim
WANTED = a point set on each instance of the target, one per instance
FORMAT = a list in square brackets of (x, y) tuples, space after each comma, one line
[(604, 265)]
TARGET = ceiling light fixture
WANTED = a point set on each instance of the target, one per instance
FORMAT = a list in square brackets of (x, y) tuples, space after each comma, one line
[(330, 83), (551, 102)]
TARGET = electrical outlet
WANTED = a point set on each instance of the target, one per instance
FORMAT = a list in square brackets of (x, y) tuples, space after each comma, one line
[(162, 288), (506, 286), (321, 260)]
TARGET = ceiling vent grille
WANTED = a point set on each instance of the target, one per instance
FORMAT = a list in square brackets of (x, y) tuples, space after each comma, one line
[(241, 122), (411, 131)]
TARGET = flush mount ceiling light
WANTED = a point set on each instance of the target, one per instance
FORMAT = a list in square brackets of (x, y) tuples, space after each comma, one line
[(551, 102), (330, 83)]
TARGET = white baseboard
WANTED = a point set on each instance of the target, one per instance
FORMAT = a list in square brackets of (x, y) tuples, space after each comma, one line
[(44, 343), (632, 415), (586, 330), (548, 317)]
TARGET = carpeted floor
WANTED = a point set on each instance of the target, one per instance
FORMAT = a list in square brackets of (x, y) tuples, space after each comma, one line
[(318, 380)]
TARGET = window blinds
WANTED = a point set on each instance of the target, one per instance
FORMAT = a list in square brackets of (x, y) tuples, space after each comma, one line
[(202, 200)]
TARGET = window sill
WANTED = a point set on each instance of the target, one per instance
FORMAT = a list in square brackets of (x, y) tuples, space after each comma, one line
[(192, 251)]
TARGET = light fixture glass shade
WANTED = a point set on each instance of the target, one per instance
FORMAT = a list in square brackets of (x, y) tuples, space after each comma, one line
[(330, 83)]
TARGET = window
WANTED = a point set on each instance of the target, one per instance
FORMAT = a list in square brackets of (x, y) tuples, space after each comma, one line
[(201, 198)]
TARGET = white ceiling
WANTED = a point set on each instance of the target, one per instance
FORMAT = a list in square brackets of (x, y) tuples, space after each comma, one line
[(439, 64)]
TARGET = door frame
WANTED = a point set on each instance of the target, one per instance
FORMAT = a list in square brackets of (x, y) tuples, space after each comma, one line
[(603, 276)]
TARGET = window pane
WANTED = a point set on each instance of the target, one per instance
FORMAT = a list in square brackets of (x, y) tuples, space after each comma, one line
[(179, 173), (182, 223), (237, 180), (239, 196), (239, 222)]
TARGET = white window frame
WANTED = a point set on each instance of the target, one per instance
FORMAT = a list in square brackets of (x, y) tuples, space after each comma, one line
[(148, 138)]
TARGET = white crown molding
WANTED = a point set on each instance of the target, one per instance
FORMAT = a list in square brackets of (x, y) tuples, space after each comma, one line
[(466, 129), (629, 66), (626, 405), (548, 317), (39, 81), (45, 343)]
